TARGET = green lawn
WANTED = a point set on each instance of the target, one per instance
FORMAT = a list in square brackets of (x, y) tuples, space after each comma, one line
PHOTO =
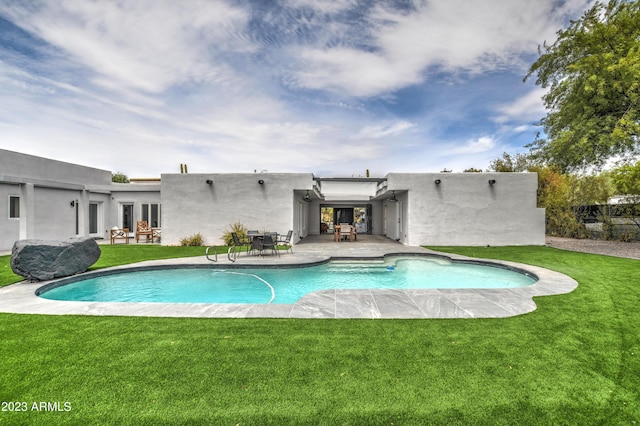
[(575, 360)]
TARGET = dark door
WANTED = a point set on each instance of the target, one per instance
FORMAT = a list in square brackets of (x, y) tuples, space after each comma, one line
[(127, 216)]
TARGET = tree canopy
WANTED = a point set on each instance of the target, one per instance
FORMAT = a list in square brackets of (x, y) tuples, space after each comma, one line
[(626, 179), (513, 163), (119, 177), (592, 72)]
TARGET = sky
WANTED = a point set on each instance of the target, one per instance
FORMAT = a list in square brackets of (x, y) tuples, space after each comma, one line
[(331, 87)]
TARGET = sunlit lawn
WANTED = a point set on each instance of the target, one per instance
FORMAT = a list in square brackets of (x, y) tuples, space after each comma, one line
[(575, 360)]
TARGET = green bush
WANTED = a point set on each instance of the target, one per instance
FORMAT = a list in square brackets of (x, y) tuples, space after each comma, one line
[(562, 222), (239, 229), (194, 240)]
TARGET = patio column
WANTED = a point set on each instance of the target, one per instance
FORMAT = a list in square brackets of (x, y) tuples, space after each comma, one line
[(83, 213), (27, 211)]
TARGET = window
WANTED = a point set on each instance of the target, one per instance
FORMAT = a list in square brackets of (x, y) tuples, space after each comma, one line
[(151, 213), (14, 207)]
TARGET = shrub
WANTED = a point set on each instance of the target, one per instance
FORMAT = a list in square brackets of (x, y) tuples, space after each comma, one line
[(562, 222), (194, 240), (239, 229)]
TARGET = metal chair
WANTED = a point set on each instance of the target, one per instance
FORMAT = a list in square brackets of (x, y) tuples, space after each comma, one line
[(286, 241), (239, 242), (269, 241)]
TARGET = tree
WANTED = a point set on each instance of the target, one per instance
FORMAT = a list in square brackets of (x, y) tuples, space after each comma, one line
[(119, 177), (626, 179), (592, 72), (512, 163)]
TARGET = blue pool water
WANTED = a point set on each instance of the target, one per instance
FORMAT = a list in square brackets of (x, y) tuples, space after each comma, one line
[(284, 285)]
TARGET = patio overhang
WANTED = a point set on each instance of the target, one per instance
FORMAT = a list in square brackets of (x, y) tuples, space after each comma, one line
[(349, 189)]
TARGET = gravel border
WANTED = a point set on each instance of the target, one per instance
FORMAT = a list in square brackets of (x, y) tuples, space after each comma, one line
[(607, 248)]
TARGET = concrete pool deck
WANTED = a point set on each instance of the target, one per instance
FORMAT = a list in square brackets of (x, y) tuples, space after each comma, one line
[(21, 298)]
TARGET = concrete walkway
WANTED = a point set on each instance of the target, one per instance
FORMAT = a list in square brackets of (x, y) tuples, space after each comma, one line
[(392, 303)]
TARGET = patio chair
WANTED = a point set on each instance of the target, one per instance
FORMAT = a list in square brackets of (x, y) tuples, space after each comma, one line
[(240, 242), (119, 233), (269, 241), (286, 241), (157, 233), (346, 232), (143, 230)]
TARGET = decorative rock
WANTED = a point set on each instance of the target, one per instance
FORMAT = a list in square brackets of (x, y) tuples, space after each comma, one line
[(39, 260)]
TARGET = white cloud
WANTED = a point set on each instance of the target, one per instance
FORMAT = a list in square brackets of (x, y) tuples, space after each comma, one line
[(349, 70), (527, 108), (475, 146), (324, 6), (141, 44), (220, 85), (378, 131), (451, 35)]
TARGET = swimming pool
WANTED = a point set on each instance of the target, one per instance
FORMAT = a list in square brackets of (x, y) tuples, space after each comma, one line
[(283, 285)]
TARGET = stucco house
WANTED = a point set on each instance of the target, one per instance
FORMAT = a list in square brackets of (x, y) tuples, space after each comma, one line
[(49, 199)]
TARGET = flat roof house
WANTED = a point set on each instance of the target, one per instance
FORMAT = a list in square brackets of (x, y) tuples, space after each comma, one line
[(49, 199)]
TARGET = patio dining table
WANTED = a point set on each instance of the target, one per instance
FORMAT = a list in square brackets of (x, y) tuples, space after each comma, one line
[(256, 240)]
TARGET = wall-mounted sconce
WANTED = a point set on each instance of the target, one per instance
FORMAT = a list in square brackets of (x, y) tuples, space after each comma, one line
[(437, 181), (72, 203), (261, 182), (209, 182), (492, 181)]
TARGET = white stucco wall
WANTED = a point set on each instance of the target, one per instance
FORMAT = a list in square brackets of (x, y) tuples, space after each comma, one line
[(9, 228), (47, 187), (131, 194), (53, 214), (464, 209), (190, 205)]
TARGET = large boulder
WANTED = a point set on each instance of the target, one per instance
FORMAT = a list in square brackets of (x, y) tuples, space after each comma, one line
[(39, 260)]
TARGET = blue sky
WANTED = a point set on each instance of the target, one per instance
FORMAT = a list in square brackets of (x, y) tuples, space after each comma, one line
[(332, 87)]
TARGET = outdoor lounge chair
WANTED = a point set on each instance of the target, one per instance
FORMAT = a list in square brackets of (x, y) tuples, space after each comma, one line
[(286, 241), (143, 230)]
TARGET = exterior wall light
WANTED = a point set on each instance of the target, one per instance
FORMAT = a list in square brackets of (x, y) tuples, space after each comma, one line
[(437, 181), (492, 181), (261, 182), (209, 182), (72, 203)]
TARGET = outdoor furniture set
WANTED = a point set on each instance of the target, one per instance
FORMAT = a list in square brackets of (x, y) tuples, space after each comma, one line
[(260, 242), (142, 230)]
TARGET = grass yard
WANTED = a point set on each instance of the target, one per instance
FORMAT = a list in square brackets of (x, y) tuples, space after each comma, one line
[(575, 360)]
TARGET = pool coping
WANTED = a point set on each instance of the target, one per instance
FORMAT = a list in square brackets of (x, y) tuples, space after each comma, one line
[(21, 298)]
